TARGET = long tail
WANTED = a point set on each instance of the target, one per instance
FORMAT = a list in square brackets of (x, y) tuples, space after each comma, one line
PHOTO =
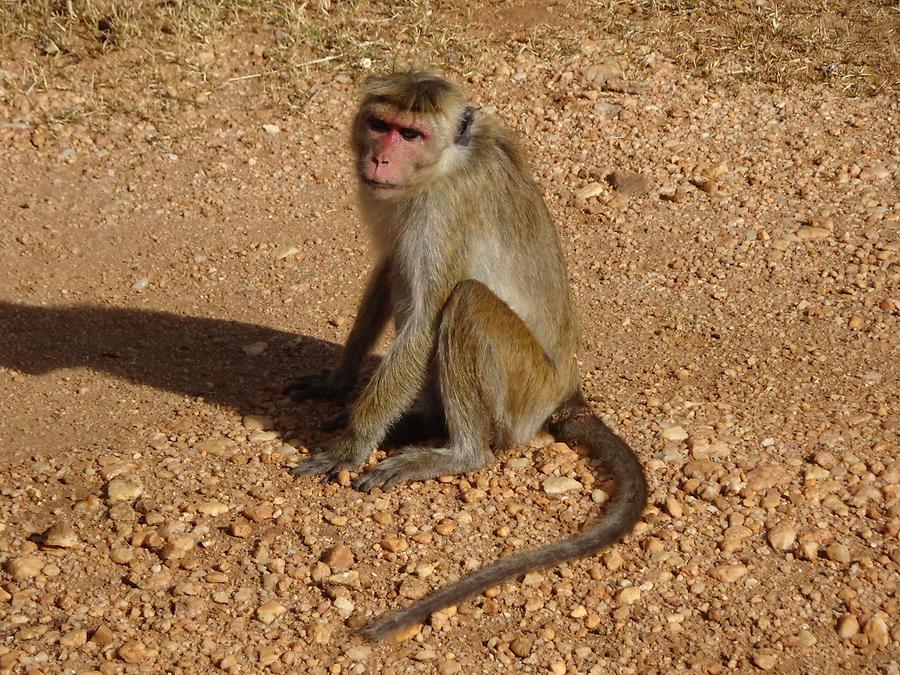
[(573, 423)]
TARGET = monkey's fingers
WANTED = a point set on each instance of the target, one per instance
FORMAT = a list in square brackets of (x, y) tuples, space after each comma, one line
[(321, 464), (312, 386), (386, 474)]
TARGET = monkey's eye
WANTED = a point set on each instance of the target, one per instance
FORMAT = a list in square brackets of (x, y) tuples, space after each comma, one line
[(409, 134), (378, 124)]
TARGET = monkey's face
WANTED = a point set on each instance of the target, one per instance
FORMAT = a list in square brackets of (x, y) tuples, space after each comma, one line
[(396, 152)]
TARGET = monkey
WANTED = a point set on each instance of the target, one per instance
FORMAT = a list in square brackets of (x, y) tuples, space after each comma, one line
[(471, 271)]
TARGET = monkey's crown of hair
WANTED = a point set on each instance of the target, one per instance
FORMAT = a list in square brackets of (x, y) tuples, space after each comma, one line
[(413, 91)]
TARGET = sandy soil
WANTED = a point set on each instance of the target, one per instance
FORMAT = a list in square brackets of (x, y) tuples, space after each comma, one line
[(178, 238)]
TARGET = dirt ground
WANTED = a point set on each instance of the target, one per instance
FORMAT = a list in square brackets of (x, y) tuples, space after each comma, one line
[(178, 238)]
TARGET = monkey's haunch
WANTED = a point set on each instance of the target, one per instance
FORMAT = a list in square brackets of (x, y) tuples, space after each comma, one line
[(573, 423)]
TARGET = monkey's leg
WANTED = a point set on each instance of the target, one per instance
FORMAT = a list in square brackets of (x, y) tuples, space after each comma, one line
[(371, 317), (493, 376)]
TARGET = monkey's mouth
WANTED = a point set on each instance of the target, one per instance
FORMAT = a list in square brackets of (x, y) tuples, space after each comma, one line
[(378, 185)]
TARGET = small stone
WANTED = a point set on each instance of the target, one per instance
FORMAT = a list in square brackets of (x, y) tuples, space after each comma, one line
[(555, 485), (103, 636), (629, 183), (357, 654), (320, 633), (60, 535), (259, 513), (125, 489), (674, 433), (255, 348), (134, 651), (213, 446), (448, 667), (177, 547), (838, 553), (629, 595), (271, 129), (338, 557), (413, 588), (729, 573), (283, 252), (24, 567), (211, 508), (783, 536), (394, 544), (764, 660), (268, 654), (258, 423), (74, 638), (673, 507), (121, 555), (240, 528), (522, 646), (808, 232), (805, 638), (856, 322), (877, 631), (269, 611), (847, 626), (589, 190)]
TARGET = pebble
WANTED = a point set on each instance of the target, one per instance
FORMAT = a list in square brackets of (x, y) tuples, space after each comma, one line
[(629, 595), (556, 485), (271, 129), (269, 611), (877, 631), (838, 553), (590, 190), (808, 232), (259, 513), (255, 348), (783, 536), (629, 183), (24, 567), (764, 660), (338, 558), (729, 572), (213, 446), (60, 535), (674, 433), (211, 508), (124, 489), (258, 423), (522, 646), (74, 638), (359, 653), (134, 651), (847, 626)]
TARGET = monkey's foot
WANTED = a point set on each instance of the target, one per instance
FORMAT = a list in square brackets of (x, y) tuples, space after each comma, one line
[(413, 463), (320, 385), (323, 464)]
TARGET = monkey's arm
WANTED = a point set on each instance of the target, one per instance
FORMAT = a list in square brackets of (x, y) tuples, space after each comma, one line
[(371, 317), (391, 391)]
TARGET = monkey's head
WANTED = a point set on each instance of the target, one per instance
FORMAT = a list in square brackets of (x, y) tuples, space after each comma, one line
[(411, 128)]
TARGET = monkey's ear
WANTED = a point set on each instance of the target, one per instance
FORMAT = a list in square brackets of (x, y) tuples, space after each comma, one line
[(464, 131)]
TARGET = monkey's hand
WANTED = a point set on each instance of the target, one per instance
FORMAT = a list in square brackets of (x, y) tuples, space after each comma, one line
[(349, 452), (327, 384)]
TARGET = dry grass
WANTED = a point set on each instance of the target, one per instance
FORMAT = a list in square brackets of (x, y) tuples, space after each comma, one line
[(853, 45), (152, 43)]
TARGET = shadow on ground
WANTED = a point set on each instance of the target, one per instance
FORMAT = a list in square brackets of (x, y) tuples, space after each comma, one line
[(189, 355)]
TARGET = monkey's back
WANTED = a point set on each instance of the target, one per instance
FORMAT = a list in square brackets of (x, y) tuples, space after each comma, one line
[(512, 243)]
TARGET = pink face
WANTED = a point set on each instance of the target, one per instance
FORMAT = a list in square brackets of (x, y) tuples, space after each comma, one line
[(393, 148)]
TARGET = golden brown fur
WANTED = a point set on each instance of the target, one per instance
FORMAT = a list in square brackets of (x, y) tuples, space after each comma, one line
[(472, 273)]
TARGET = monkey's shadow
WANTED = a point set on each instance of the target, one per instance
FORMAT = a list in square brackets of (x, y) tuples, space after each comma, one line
[(189, 355)]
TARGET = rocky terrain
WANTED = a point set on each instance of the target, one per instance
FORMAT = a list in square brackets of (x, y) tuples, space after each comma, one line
[(178, 239)]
